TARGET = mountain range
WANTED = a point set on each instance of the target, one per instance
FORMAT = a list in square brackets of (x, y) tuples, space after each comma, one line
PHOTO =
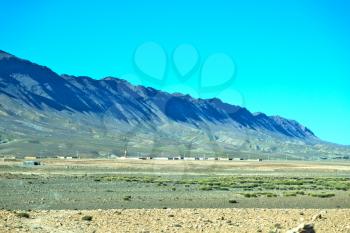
[(48, 114)]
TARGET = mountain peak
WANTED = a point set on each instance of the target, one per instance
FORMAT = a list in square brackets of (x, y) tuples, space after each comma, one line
[(4, 54)]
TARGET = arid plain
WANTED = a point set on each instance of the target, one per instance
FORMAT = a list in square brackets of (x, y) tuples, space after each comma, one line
[(131, 195)]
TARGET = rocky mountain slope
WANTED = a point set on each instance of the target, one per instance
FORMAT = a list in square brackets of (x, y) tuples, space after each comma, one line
[(49, 114)]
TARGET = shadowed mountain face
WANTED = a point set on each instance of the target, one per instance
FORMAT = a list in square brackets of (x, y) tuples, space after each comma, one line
[(114, 114)]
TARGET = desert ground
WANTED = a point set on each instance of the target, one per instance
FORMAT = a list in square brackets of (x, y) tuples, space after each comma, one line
[(112, 195)]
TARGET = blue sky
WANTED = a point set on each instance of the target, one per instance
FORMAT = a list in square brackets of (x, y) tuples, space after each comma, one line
[(292, 58)]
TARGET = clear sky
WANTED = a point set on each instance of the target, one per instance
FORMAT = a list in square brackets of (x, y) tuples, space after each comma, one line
[(292, 58)]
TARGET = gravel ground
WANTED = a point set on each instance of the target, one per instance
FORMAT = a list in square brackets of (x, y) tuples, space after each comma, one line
[(175, 220), (69, 196), (55, 192)]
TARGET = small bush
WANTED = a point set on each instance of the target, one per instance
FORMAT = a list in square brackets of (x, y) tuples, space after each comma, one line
[(271, 195), (249, 195), (127, 198), (322, 195), (22, 215), (223, 189), (293, 194), (87, 218), (290, 194), (205, 188), (340, 186), (233, 201)]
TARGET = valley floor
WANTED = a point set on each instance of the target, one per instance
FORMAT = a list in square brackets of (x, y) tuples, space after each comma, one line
[(173, 196)]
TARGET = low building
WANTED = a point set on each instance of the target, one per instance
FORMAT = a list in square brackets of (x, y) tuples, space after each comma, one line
[(160, 158), (9, 159), (238, 159), (222, 158), (213, 158)]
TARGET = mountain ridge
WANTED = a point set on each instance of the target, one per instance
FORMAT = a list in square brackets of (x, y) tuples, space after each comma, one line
[(114, 103)]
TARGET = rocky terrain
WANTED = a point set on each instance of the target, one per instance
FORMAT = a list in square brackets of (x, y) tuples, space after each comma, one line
[(178, 220)]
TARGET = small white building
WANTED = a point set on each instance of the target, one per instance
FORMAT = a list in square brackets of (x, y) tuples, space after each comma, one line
[(222, 158), (160, 158)]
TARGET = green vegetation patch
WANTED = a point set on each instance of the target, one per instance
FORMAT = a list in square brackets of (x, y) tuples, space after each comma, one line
[(252, 186), (322, 195), (258, 194)]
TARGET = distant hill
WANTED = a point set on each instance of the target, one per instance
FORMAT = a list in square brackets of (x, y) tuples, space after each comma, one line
[(49, 114)]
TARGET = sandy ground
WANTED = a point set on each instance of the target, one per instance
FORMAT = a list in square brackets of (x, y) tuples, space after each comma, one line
[(177, 220)]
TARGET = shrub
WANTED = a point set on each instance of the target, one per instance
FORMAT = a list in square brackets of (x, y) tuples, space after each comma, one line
[(293, 194), (322, 195), (22, 215), (87, 218), (340, 186), (205, 188), (233, 201), (290, 194), (271, 195), (249, 195), (127, 198)]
